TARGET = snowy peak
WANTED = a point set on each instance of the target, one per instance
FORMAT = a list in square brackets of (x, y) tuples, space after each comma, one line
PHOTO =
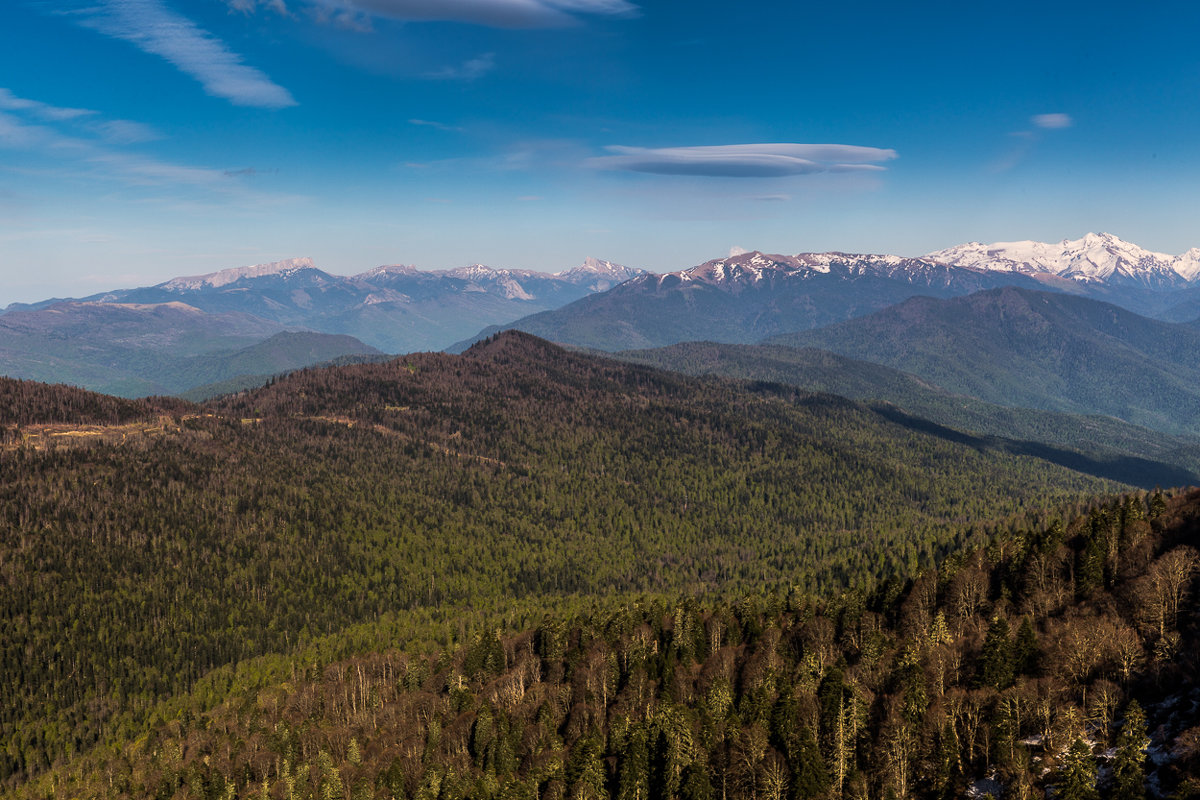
[(282, 269), (1095, 258), (385, 271), (599, 274), (758, 268), (752, 267)]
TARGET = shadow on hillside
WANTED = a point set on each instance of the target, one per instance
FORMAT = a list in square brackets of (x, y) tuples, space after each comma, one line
[(1141, 472)]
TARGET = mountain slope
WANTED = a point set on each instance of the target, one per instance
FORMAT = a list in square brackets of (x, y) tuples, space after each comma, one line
[(121, 348), (1020, 663), (134, 350), (1034, 349), (747, 297), (518, 470), (1132, 454)]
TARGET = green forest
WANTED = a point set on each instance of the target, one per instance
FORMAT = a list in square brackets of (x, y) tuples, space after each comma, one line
[(531, 573)]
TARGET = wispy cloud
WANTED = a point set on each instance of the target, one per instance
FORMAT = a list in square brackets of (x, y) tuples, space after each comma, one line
[(79, 155), (248, 172), (491, 13), (441, 126), (744, 160), (124, 131), (249, 6), (10, 102), (1052, 121), (155, 29), (1024, 141), (469, 70)]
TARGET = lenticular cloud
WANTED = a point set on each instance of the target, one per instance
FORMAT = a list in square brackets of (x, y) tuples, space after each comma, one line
[(744, 160)]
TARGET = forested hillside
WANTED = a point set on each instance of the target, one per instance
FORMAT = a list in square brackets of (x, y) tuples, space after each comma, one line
[(437, 485), (1043, 664), (1034, 349), (1117, 449)]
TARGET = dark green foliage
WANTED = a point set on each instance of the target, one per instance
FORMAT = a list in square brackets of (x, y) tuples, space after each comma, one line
[(809, 776), (1077, 778), (996, 661), (1025, 649), (1129, 779)]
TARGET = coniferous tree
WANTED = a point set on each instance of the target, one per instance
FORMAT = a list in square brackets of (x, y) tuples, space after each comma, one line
[(1129, 780), (1078, 773), (1025, 649), (996, 659)]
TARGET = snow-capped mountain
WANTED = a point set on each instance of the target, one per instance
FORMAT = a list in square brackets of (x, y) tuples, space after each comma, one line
[(276, 269), (395, 308), (755, 268), (1099, 258), (745, 297)]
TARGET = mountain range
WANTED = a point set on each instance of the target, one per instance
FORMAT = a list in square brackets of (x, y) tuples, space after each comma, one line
[(394, 308), (746, 297), (135, 342), (139, 341)]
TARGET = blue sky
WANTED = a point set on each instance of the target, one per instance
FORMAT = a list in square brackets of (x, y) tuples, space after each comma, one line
[(144, 139)]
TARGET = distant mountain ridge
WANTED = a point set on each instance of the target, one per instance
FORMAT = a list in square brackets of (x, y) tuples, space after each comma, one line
[(130, 341), (396, 308), (1034, 349), (743, 298), (746, 297), (138, 349), (1096, 258)]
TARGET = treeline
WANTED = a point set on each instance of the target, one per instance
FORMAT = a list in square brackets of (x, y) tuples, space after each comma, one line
[(519, 471), (1038, 665)]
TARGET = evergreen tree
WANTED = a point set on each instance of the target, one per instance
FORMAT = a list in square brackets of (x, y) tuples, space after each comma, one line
[(1078, 773), (1129, 780), (809, 777), (1025, 649), (996, 659)]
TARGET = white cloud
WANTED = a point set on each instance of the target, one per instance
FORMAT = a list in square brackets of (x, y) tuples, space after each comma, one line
[(18, 134), (492, 13), (250, 6), (441, 126), (1052, 121), (467, 71), (10, 102), (124, 131), (77, 155), (153, 28), (737, 251), (744, 160)]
